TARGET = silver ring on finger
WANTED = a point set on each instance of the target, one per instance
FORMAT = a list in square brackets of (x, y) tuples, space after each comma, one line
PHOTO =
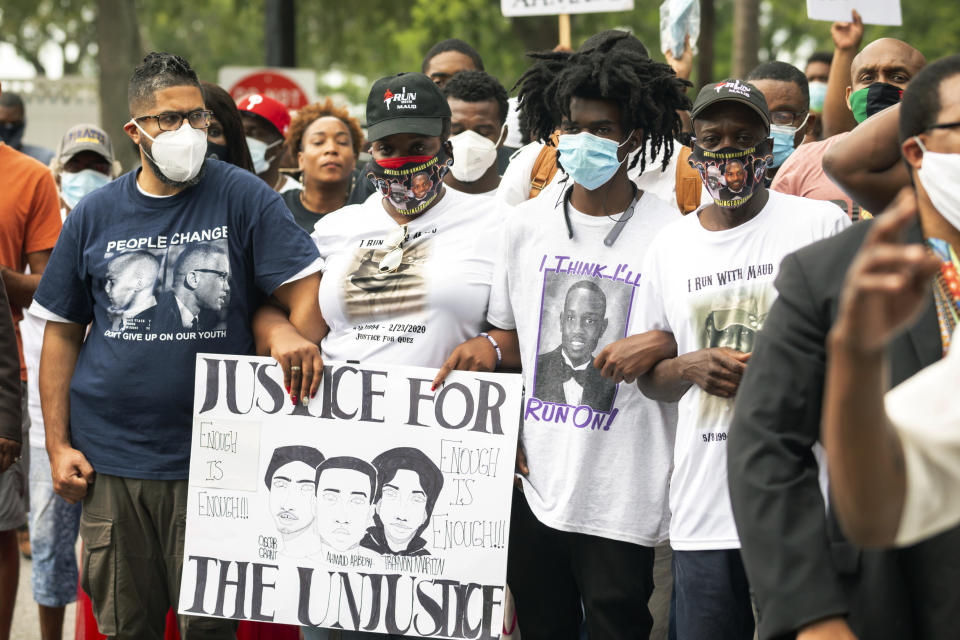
[(295, 368)]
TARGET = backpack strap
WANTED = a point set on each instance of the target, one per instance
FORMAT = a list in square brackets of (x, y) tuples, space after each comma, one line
[(689, 184), (545, 167)]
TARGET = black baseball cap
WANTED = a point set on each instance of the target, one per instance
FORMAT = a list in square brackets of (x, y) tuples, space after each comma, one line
[(405, 103), (732, 90)]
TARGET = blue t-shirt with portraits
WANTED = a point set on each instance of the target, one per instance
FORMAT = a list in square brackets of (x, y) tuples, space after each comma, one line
[(159, 280)]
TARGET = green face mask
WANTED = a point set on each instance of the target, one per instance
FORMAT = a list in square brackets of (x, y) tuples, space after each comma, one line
[(874, 99)]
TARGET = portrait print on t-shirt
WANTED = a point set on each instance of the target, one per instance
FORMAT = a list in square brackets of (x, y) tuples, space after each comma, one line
[(579, 316), (371, 293), (172, 289), (729, 318)]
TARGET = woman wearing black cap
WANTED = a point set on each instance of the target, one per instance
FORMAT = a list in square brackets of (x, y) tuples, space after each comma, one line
[(408, 272)]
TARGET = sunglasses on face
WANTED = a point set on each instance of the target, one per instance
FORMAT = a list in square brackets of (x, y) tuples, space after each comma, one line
[(392, 260)]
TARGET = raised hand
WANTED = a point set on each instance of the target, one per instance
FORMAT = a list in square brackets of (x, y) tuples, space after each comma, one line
[(887, 285), (848, 35)]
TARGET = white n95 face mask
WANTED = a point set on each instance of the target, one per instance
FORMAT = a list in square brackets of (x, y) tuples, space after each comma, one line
[(178, 154), (473, 154), (938, 175), (258, 153)]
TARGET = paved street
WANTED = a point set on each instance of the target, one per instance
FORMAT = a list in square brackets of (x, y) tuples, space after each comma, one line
[(25, 623)]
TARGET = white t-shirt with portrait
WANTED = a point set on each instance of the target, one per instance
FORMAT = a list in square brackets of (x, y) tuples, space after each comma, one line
[(599, 453), (714, 289), (437, 298)]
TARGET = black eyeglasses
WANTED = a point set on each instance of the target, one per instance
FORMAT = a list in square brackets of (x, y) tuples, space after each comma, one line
[(945, 125), (223, 275), (171, 120), (393, 258), (784, 118)]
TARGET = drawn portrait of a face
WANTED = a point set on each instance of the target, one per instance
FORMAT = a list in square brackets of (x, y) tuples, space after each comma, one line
[(582, 322), (292, 501), (344, 506), (402, 508), (735, 175)]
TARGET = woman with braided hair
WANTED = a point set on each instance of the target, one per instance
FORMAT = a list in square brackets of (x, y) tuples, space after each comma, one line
[(595, 454)]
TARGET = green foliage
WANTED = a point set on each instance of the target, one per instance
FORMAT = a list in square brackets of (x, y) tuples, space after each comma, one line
[(377, 37), (210, 34), (28, 25)]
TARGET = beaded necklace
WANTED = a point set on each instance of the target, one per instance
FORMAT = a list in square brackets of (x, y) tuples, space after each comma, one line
[(946, 289)]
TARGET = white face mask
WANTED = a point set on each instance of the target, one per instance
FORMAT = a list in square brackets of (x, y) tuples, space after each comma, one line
[(178, 154), (473, 154), (938, 175), (258, 153)]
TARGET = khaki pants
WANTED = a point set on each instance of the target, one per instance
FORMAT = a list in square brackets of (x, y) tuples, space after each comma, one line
[(133, 532)]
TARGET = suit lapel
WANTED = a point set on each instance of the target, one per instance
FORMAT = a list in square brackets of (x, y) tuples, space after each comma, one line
[(924, 335)]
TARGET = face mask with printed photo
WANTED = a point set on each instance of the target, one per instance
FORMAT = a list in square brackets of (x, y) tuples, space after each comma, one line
[(412, 183), (730, 175)]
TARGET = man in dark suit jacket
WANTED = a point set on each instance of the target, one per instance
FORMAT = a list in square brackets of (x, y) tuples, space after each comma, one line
[(568, 369), (805, 575)]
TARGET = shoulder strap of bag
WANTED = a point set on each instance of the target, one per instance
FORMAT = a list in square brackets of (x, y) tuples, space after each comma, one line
[(544, 167), (689, 185)]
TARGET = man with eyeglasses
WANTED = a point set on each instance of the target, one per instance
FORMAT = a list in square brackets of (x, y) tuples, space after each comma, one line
[(200, 291), (855, 316), (788, 98), (118, 402)]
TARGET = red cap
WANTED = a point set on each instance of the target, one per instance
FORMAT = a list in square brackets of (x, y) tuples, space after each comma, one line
[(266, 107)]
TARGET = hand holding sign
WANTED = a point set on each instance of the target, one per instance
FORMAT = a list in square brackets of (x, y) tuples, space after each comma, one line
[(886, 12), (848, 35)]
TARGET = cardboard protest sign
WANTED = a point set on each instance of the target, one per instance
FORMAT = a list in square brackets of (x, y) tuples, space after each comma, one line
[(871, 11), (511, 8), (381, 506)]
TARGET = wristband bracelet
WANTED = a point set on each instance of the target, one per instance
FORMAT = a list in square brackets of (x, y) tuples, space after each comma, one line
[(495, 345)]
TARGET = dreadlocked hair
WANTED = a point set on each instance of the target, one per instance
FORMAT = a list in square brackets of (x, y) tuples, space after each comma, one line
[(617, 68)]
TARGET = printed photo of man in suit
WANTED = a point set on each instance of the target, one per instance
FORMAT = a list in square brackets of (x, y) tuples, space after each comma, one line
[(566, 375)]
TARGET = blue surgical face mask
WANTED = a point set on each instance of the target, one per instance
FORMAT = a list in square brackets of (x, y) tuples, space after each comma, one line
[(590, 160), (74, 186), (818, 95), (783, 141)]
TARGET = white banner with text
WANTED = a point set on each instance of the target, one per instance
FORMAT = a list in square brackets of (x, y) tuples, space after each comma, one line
[(513, 8), (381, 506)]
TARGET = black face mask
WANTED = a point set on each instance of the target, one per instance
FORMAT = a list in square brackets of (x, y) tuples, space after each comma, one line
[(217, 151), (874, 99), (730, 175), (12, 133)]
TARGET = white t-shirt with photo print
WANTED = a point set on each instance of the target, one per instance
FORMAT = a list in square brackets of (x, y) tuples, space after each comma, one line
[(714, 289), (437, 298), (599, 454)]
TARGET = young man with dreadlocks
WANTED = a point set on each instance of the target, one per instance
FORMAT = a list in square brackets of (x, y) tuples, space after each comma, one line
[(596, 454), (708, 280)]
